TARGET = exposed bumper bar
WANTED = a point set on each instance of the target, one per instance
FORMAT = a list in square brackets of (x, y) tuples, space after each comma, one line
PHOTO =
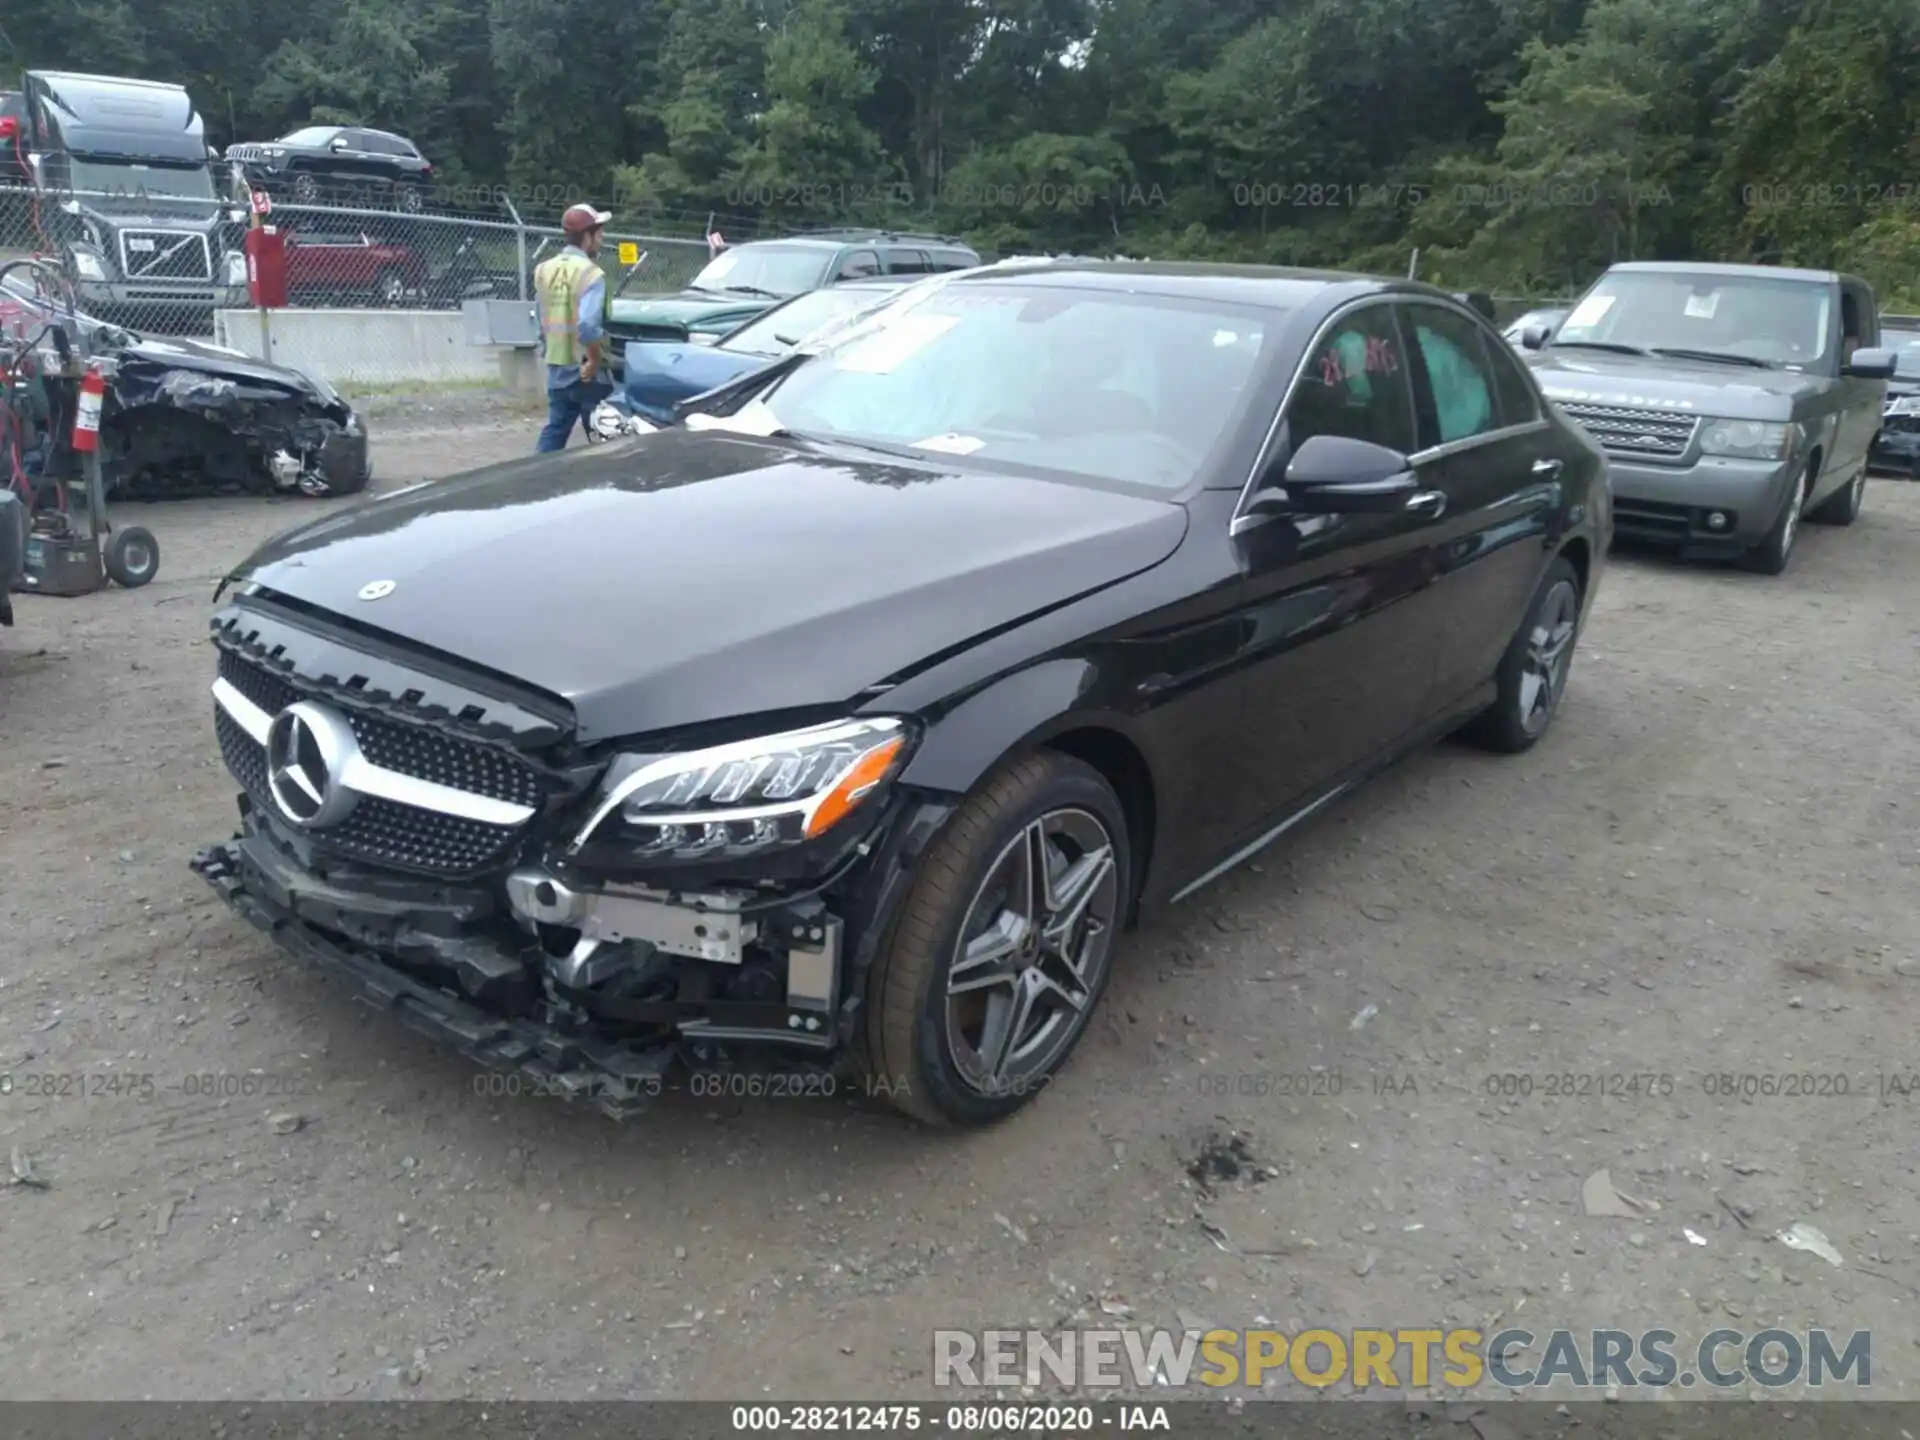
[(618, 1080)]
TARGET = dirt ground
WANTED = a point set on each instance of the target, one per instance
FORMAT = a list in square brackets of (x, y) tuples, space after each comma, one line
[(1707, 870)]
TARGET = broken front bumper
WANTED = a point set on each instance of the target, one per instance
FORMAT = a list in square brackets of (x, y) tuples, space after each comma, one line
[(452, 961), (310, 920)]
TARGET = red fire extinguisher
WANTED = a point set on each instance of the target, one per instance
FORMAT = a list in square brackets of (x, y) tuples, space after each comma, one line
[(86, 420)]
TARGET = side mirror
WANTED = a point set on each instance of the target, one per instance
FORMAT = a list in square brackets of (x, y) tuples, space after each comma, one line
[(1334, 475), (1870, 365), (339, 142), (1535, 337)]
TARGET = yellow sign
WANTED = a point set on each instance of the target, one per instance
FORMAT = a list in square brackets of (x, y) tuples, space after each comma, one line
[(629, 253)]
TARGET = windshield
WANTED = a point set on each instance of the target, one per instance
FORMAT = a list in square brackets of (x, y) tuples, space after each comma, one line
[(779, 332), (310, 135), (775, 269), (1906, 359), (1753, 317), (1130, 388), (120, 180)]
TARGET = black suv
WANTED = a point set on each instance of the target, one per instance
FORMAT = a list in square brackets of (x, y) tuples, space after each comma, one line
[(332, 162), (742, 281)]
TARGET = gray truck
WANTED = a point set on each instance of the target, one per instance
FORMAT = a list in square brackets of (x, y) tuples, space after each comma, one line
[(129, 199), (1731, 400)]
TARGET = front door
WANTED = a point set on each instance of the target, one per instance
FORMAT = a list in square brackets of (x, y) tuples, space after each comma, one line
[(1340, 654)]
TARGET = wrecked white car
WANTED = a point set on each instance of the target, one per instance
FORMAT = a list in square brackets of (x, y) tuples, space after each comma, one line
[(183, 417)]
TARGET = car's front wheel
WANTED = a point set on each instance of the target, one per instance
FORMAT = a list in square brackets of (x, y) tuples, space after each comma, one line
[(1002, 947), (1772, 554)]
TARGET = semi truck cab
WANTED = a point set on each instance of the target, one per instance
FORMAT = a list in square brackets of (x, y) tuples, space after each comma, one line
[(131, 204)]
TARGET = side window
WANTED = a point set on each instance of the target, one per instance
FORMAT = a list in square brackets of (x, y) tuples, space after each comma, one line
[(858, 265), (1859, 326), (1512, 391), (1354, 384), (908, 262), (356, 140), (1458, 377), (941, 261)]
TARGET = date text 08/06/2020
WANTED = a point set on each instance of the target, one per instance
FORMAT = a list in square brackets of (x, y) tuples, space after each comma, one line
[(968, 1420)]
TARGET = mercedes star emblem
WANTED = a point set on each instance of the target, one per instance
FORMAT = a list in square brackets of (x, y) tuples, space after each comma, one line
[(307, 750), (376, 589)]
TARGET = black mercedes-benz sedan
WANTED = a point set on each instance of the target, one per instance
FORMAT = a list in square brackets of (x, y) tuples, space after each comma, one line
[(836, 736)]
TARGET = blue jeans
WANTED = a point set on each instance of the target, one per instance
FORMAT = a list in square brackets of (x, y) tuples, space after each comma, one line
[(567, 406)]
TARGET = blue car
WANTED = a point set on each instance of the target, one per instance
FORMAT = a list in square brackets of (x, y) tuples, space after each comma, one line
[(657, 376)]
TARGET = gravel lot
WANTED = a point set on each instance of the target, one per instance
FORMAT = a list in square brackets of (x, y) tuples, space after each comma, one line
[(1708, 869)]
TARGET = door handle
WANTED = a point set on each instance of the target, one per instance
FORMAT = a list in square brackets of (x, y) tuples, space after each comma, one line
[(1431, 503), (1546, 468)]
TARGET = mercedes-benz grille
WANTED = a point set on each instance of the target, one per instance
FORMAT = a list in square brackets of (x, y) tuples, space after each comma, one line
[(379, 829)]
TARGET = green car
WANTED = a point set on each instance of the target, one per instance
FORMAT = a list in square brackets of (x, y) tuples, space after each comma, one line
[(743, 281)]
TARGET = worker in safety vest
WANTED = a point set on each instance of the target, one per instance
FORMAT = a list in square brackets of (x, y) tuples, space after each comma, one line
[(571, 290)]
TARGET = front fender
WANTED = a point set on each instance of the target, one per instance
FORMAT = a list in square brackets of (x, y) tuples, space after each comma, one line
[(1017, 711)]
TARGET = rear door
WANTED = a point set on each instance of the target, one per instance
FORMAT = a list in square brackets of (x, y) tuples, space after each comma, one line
[(1486, 447), (1340, 653)]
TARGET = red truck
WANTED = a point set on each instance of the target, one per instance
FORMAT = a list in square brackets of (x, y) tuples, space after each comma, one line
[(342, 266)]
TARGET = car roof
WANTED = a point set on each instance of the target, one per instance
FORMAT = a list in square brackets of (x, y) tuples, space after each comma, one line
[(858, 242), (1269, 286)]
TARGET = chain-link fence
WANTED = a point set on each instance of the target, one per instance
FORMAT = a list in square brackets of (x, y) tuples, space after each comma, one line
[(167, 264)]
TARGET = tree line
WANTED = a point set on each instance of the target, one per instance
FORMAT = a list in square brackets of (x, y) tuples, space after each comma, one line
[(1517, 145)]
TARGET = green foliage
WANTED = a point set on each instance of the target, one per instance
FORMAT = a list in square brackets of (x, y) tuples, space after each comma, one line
[(1518, 145)]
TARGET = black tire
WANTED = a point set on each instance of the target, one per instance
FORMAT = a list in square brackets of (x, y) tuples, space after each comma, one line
[(304, 188), (1842, 508), (132, 558), (1773, 554), (910, 1042), (1532, 677), (409, 197), (389, 289)]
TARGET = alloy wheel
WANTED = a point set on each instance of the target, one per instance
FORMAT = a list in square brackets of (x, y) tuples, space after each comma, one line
[(1791, 521), (1033, 952), (1543, 676)]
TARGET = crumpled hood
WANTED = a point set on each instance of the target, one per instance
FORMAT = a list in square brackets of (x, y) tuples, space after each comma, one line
[(692, 576), (1596, 377), (199, 355)]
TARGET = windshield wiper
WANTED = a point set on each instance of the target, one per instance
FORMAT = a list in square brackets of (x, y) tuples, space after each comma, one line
[(1719, 355), (1613, 345), (749, 290)]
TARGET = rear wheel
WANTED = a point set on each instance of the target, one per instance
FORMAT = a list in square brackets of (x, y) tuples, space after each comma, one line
[(1003, 946), (1844, 508), (1532, 676)]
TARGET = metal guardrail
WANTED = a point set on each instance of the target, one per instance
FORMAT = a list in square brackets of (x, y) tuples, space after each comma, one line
[(165, 264)]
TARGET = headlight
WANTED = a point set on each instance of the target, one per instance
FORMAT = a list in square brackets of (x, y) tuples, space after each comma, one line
[(703, 337), (87, 266), (747, 797), (1748, 439), (236, 267), (1904, 405)]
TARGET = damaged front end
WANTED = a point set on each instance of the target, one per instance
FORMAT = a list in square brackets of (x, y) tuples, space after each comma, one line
[(440, 847), (183, 421)]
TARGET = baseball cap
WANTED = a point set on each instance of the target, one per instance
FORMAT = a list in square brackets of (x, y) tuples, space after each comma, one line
[(581, 218)]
